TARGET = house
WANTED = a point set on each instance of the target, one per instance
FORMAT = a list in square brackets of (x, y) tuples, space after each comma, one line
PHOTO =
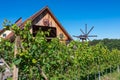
[(44, 20)]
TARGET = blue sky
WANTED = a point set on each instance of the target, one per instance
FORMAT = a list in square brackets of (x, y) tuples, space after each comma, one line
[(104, 15)]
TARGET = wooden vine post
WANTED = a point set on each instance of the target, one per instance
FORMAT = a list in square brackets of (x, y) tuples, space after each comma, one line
[(15, 69)]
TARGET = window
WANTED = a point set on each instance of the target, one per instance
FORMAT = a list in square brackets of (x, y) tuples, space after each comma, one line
[(46, 22), (4, 35)]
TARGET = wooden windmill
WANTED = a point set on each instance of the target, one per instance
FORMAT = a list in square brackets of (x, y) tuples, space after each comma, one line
[(85, 35)]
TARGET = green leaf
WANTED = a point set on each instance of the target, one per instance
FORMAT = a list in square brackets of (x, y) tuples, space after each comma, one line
[(34, 47), (17, 61), (34, 61)]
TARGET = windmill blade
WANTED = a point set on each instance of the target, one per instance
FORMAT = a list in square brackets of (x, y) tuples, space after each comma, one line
[(92, 35), (85, 28), (82, 31), (90, 30), (76, 36)]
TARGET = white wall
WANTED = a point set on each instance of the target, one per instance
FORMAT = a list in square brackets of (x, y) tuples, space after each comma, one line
[(7, 32)]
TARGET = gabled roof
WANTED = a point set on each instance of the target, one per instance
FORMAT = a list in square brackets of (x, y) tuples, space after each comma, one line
[(34, 16)]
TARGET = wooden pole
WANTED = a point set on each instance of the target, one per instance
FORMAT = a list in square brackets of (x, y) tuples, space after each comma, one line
[(15, 69), (5, 63), (118, 68), (42, 73)]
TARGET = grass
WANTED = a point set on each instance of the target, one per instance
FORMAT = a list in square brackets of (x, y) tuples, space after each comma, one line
[(113, 76)]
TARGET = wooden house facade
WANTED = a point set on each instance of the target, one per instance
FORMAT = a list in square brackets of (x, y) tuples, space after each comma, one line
[(44, 20)]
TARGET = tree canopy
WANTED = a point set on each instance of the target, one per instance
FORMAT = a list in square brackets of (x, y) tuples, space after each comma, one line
[(110, 43)]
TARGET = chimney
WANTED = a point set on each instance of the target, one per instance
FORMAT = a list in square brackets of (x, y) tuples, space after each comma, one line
[(19, 21)]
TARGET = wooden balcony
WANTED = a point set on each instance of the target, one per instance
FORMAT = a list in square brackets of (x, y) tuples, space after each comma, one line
[(52, 31)]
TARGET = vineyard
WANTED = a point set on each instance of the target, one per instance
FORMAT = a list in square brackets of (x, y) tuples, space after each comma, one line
[(38, 59)]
